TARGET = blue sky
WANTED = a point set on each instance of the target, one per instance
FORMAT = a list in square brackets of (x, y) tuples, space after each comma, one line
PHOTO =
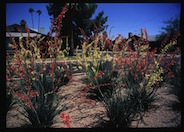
[(122, 17)]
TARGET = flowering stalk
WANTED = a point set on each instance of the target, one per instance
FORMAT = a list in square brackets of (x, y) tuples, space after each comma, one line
[(66, 119), (58, 20), (33, 81)]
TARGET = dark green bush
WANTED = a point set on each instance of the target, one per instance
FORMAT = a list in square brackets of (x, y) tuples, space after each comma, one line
[(176, 81), (100, 86), (9, 101), (122, 109), (44, 107)]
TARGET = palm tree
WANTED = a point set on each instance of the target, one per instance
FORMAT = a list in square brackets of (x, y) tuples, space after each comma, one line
[(39, 13), (31, 10), (23, 23)]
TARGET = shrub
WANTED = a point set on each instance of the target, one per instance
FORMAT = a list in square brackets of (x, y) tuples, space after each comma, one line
[(36, 85), (99, 83), (97, 66), (121, 109), (34, 82), (143, 69), (176, 80), (9, 101), (139, 76), (138, 73)]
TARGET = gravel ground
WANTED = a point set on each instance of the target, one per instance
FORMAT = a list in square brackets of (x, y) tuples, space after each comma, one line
[(86, 115)]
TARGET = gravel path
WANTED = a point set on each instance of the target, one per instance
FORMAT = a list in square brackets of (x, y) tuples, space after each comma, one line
[(87, 115), (166, 115)]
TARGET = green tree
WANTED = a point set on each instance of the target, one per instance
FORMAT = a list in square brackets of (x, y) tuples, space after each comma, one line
[(23, 23), (99, 23), (172, 26), (31, 10), (78, 15), (39, 13)]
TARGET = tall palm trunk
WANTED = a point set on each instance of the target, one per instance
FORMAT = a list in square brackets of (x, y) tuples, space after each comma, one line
[(39, 13), (32, 20), (38, 23)]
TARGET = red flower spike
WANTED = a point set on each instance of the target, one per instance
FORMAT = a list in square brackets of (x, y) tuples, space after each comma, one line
[(126, 61), (29, 103), (66, 119), (145, 31), (91, 102), (24, 98), (170, 75), (33, 94), (99, 74), (55, 89), (156, 83)]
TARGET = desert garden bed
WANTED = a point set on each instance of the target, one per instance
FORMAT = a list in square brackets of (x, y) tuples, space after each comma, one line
[(97, 88), (166, 112)]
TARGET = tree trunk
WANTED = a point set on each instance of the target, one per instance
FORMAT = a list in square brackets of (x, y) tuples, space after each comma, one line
[(71, 42), (181, 18), (38, 23), (181, 39), (71, 53), (32, 20)]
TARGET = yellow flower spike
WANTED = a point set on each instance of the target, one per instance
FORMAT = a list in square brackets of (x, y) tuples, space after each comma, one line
[(20, 38), (40, 60), (94, 69), (80, 67), (147, 76), (62, 69), (141, 85)]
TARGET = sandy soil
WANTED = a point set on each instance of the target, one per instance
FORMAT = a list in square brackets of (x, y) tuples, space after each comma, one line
[(86, 115)]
